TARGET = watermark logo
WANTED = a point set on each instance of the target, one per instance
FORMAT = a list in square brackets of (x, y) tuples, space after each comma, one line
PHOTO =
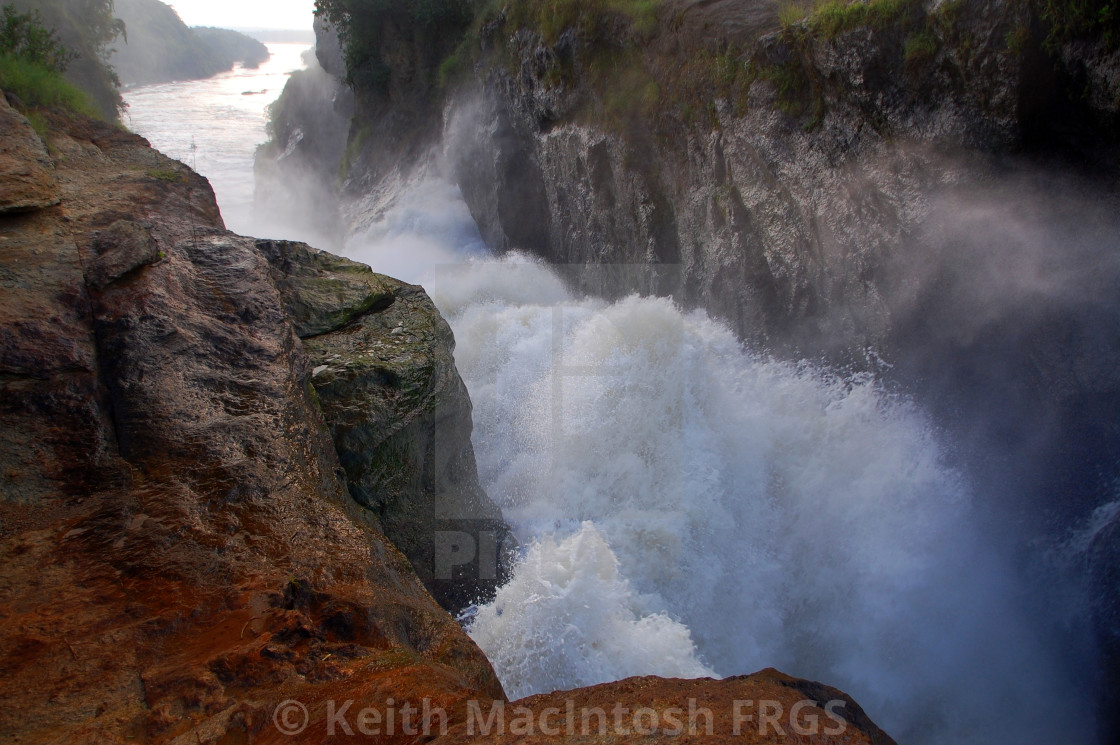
[(291, 718), (745, 719)]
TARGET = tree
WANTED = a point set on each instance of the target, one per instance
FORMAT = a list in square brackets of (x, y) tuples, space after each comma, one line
[(87, 28), (23, 35), (361, 25)]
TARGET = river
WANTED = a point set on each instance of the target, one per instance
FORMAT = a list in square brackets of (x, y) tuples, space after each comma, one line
[(215, 125)]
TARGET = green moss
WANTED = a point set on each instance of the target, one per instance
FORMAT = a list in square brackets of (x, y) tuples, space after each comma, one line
[(38, 122), (919, 49), (593, 19), (796, 93), (1017, 40), (170, 175), (354, 146), (392, 659), (791, 14), (313, 394), (948, 14), (452, 68), (833, 17)]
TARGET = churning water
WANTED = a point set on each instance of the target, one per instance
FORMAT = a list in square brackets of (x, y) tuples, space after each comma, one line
[(689, 507)]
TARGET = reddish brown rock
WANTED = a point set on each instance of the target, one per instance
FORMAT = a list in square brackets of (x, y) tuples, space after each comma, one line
[(26, 178), (767, 707), (180, 554)]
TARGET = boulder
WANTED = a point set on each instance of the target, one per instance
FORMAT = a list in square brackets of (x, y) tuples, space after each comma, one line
[(122, 248)]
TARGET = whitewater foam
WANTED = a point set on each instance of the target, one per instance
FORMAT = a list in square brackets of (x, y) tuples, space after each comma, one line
[(690, 508)]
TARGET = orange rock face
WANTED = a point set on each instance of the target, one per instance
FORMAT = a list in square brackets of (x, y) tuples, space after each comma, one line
[(26, 180), (179, 552), (767, 707)]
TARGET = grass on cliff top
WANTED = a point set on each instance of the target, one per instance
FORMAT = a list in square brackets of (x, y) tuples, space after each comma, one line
[(592, 18), (830, 18), (39, 86), (1070, 20)]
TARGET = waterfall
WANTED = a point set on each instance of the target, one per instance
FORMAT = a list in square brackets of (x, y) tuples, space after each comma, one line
[(688, 507)]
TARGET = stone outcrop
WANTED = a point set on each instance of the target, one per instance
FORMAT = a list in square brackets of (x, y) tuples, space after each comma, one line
[(26, 178), (765, 707), (399, 414), (180, 549), (774, 176)]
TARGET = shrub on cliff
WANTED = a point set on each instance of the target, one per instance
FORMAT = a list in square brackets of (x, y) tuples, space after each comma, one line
[(363, 26), (23, 35), (86, 28), (33, 60), (1071, 20)]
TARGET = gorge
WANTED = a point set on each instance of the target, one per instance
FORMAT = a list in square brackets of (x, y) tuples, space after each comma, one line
[(915, 203), (742, 336)]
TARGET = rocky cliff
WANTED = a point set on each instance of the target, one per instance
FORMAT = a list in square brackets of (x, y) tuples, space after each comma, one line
[(180, 546), (206, 443)]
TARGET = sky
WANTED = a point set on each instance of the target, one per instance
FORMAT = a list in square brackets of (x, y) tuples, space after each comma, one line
[(286, 14)]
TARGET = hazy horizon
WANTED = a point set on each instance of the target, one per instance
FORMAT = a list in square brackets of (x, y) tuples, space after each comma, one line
[(252, 14)]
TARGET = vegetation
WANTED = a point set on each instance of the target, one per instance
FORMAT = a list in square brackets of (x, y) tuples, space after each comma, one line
[(834, 17), (595, 20), (919, 49), (169, 175), (86, 28), (37, 85), (32, 63), (1070, 20), (232, 45), (160, 47), (361, 25), (23, 35)]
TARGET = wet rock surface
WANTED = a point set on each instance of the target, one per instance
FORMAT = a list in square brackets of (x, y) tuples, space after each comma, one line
[(399, 414)]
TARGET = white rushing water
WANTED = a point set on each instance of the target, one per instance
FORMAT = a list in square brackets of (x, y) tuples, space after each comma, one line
[(215, 125), (689, 507)]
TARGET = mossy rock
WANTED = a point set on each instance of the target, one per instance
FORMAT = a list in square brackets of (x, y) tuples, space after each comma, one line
[(383, 370), (323, 292)]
